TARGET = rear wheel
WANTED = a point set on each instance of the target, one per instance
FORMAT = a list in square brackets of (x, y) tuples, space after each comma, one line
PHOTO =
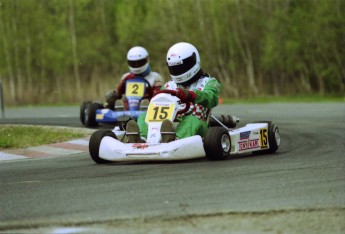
[(82, 112), (217, 143), (90, 114), (273, 138), (95, 142)]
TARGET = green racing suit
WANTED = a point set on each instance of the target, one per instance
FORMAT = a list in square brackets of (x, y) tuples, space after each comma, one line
[(207, 91)]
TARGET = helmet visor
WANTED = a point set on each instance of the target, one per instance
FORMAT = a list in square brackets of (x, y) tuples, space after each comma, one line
[(137, 63), (184, 66)]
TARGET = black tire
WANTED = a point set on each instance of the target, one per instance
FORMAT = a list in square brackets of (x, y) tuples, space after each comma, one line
[(95, 142), (82, 112), (273, 138), (90, 114), (217, 143)]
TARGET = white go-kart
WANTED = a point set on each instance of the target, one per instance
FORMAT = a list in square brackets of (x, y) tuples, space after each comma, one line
[(221, 140)]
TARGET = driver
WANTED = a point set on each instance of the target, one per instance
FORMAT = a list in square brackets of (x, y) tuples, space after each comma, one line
[(138, 63), (192, 85)]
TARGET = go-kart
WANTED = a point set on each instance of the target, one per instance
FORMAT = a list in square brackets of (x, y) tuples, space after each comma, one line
[(220, 141), (94, 113)]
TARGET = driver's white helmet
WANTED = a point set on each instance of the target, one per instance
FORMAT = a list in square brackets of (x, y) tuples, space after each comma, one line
[(183, 62), (138, 59)]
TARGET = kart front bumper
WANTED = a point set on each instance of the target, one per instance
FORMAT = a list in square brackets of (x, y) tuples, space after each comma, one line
[(187, 148)]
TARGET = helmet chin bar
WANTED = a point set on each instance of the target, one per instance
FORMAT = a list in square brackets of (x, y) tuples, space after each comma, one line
[(139, 70), (186, 76), (196, 77)]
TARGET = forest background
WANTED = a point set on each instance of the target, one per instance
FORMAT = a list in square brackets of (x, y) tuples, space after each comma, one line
[(68, 51)]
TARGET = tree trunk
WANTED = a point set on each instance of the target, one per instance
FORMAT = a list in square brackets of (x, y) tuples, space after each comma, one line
[(246, 52), (74, 49), (18, 73), (28, 59), (7, 56)]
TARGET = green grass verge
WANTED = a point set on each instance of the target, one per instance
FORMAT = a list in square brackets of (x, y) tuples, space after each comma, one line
[(27, 136), (258, 99)]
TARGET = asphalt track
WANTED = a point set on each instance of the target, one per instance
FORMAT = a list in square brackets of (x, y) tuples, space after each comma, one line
[(306, 174)]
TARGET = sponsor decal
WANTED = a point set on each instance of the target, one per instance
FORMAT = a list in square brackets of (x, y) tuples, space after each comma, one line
[(139, 146), (133, 101), (114, 114), (99, 116), (244, 135), (248, 144)]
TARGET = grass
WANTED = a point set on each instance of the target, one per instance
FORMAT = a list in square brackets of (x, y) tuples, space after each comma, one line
[(27, 136), (258, 99)]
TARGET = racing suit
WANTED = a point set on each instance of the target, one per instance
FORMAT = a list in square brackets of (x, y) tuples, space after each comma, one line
[(154, 79), (207, 91)]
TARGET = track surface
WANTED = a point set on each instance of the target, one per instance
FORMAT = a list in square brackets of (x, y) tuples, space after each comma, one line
[(306, 174)]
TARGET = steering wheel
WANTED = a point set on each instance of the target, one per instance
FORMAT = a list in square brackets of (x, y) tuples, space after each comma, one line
[(174, 93)]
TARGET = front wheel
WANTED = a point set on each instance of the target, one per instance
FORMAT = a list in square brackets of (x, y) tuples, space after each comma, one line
[(95, 142), (217, 143)]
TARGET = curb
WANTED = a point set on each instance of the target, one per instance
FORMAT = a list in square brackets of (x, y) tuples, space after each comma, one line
[(71, 147), (47, 151)]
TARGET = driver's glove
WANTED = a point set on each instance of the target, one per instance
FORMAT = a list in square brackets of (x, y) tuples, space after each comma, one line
[(110, 97), (186, 95)]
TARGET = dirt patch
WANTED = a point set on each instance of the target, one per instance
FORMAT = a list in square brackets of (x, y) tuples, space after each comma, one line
[(291, 221), (306, 221)]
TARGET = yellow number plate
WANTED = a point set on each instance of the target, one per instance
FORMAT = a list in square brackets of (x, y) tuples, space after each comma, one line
[(135, 89), (157, 112), (263, 138)]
